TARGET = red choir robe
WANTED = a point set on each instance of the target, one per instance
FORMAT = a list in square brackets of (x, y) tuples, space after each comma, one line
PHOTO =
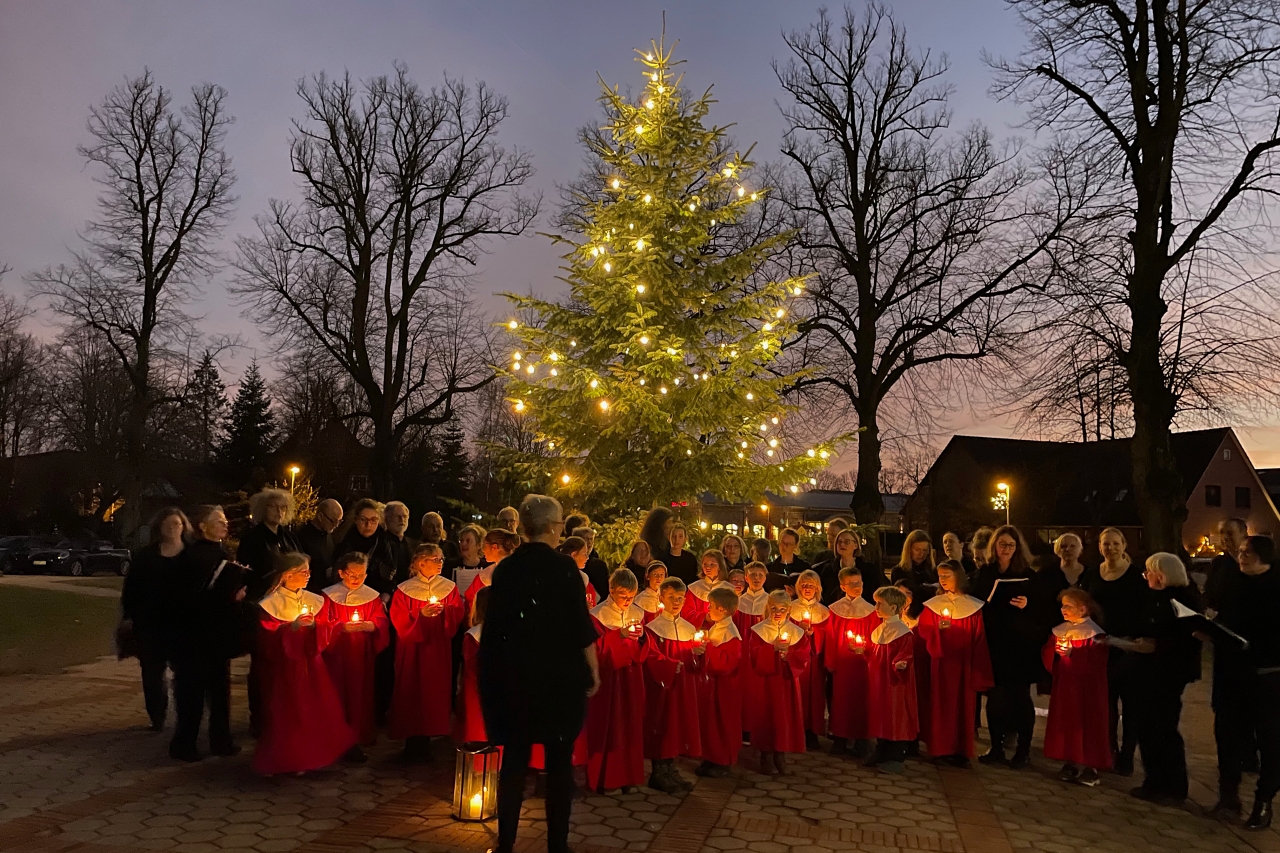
[(813, 684), (304, 726), (848, 628), (695, 602), (959, 669), (751, 609), (892, 691), (424, 657), (350, 654), (591, 590), (469, 725), (1076, 732), (615, 715), (480, 582), (921, 665), (775, 708), (671, 720), (720, 694), (648, 601)]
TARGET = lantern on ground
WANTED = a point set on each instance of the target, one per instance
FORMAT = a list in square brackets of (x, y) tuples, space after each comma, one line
[(475, 783)]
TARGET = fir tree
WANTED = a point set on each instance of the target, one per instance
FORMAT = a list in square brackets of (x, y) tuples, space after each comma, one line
[(658, 378), (251, 427), (205, 405)]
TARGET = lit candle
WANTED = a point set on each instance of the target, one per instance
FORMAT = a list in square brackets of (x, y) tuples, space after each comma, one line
[(661, 606), (1064, 646), (945, 621), (784, 636), (477, 803), (859, 646), (432, 600), (355, 616), (849, 634), (304, 611), (697, 636)]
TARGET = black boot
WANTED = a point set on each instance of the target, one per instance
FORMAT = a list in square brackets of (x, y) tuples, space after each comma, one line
[(1261, 817), (1228, 807), (839, 746), (994, 756)]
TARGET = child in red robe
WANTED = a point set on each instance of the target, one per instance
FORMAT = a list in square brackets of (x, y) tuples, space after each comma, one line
[(895, 723), (576, 547), (849, 625), (361, 632), (713, 573), (498, 544), (911, 618), (615, 754), (304, 726), (753, 604), (960, 666), (810, 613), (779, 653), (426, 611), (671, 719), (1076, 656), (647, 599), (738, 580), (719, 687), (469, 725)]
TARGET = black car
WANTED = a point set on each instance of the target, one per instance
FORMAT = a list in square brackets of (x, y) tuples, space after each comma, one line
[(77, 558), (16, 550)]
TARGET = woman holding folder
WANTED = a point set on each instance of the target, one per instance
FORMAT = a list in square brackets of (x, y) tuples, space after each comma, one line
[(1014, 634)]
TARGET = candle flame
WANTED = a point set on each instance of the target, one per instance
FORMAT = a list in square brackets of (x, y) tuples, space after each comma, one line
[(697, 636), (433, 600), (355, 616), (946, 611), (857, 638), (849, 634), (806, 615), (477, 802), (784, 635)]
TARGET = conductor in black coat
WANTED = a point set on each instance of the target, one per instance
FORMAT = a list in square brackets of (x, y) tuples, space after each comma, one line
[(537, 669)]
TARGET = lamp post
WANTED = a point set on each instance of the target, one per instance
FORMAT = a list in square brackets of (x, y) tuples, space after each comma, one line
[(764, 508), (1001, 499), (294, 470)]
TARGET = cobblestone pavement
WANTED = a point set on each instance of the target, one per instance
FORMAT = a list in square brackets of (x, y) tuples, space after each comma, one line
[(79, 772)]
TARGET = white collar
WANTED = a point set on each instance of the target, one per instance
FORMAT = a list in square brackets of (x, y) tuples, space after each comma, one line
[(702, 589), (486, 574), (961, 606), (611, 616), (816, 609), (888, 631), (1086, 630), (474, 633), (288, 606), (362, 594), (770, 632), (753, 603), (853, 608), (647, 600), (672, 629), (423, 590), (723, 631)]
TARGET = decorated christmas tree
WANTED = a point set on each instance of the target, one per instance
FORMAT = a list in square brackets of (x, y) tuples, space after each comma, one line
[(658, 378)]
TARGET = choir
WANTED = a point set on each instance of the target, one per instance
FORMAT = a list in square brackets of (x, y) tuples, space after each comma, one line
[(695, 669)]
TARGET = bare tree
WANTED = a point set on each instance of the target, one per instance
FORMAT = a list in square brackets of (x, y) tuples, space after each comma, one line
[(166, 193), (24, 376), (1176, 100), (400, 189), (922, 238)]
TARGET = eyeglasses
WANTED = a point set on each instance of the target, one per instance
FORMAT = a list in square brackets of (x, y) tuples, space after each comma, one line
[(434, 559), (367, 519)]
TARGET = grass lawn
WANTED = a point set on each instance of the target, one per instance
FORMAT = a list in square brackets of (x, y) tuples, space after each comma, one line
[(104, 581), (43, 631)]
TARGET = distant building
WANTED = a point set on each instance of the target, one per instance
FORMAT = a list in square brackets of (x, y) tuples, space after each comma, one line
[(1083, 487), (810, 509)]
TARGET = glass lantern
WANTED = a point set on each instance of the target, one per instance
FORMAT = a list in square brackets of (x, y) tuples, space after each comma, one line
[(475, 782)]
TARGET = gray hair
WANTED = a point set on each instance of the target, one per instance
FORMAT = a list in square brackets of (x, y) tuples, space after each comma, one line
[(258, 504), (538, 513), (1170, 566)]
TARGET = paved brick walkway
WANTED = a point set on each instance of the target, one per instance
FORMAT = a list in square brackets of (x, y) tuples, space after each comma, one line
[(80, 774)]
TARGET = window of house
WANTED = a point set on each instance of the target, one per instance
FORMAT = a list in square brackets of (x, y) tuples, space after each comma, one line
[(1244, 497), (359, 483), (1226, 454), (1213, 495)]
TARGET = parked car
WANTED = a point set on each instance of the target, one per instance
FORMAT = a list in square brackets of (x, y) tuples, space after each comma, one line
[(15, 552), (79, 558)]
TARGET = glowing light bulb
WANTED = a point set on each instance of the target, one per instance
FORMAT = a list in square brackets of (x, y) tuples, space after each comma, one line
[(513, 325), (754, 196), (516, 355), (702, 524), (728, 171), (608, 267), (594, 383), (616, 183), (662, 390), (741, 192), (812, 482), (692, 206), (639, 128), (781, 313), (677, 380), (797, 291), (671, 351), (713, 223), (519, 407), (642, 381), (764, 427), (741, 455), (750, 396), (644, 339), (555, 372), (733, 353), (595, 251), (824, 454), (773, 442), (572, 344), (654, 76), (564, 478), (764, 345), (531, 369), (768, 327), (649, 56), (688, 453), (650, 104), (773, 421), (744, 445), (551, 445), (661, 89), (769, 452), (812, 453), (554, 356), (639, 288), (640, 245), (647, 198), (795, 489), (604, 405)]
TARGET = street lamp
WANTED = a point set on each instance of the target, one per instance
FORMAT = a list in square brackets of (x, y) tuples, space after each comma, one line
[(1001, 499), (294, 470)]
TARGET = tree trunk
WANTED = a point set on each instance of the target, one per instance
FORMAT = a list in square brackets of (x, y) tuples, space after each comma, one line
[(382, 462), (867, 505), (129, 519), (1157, 483)]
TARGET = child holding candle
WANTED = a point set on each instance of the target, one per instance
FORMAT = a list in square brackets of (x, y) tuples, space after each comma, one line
[(615, 756), (426, 611), (895, 723), (469, 726), (671, 719), (849, 625), (720, 688), (361, 632), (959, 663), (647, 599), (1076, 656), (304, 726), (779, 654), (753, 603), (712, 571), (810, 613), (911, 618)]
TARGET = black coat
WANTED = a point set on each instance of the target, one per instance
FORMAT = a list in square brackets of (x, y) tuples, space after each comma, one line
[(1176, 659), (145, 598), (872, 579), (204, 596), (684, 566), (260, 551), (1014, 636), (533, 674), (383, 557), (319, 547)]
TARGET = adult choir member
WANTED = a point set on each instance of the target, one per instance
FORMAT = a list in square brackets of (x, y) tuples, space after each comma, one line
[(537, 669), (680, 562), (368, 536), (262, 546), (361, 631), (315, 539), (960, 665), (916, 566), (145, 604), (848, 554), (615, 715), (735, 552), (426, 611), (304, 726), (789, 564)]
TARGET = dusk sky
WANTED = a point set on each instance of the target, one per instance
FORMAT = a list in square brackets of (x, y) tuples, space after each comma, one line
[(58, 58)]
